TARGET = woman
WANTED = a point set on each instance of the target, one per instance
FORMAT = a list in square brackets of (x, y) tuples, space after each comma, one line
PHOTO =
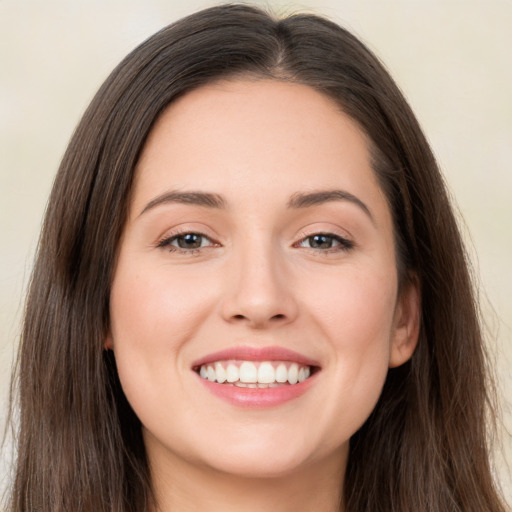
[(250, 291)]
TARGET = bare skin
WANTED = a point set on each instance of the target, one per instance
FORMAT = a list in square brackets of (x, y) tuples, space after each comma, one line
[(189, 489), (256, 224)]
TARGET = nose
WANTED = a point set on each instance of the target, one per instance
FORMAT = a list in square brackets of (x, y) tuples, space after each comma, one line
[(259, 293)]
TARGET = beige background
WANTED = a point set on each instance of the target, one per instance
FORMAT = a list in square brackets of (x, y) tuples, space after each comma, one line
[(451, 59)]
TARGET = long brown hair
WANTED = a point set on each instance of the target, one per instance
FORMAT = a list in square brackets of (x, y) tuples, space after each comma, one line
[(80, 448)]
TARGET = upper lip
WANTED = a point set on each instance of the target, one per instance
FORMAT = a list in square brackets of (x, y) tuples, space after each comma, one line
[(248, 353)]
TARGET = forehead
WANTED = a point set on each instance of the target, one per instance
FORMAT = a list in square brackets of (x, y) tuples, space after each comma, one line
[(252, 136)]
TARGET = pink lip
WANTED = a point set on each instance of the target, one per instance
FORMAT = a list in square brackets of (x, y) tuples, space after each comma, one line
[(256, 398), (255, 354)]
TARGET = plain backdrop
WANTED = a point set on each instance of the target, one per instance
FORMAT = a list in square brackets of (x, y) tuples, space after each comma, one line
[(451, 58)]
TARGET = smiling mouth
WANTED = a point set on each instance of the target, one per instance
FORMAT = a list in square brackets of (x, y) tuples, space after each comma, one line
[(255, 374)]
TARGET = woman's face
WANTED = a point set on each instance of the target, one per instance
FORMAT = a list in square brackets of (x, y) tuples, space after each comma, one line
[(258, 250)]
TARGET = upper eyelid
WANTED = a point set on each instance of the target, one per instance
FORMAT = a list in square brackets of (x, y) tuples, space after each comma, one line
[(329, 232), (180, 231)]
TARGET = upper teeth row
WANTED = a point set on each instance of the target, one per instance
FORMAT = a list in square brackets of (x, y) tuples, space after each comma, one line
[(248, 372)]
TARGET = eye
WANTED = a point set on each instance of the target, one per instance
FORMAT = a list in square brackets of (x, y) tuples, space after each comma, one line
[(186, 242), (326, 242)]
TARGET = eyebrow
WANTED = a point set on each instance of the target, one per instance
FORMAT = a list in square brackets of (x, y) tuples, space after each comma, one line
[(205, 199), (308, 199), (296, 201)]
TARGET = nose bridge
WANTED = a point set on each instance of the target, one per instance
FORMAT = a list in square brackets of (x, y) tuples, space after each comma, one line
[(258, 293)]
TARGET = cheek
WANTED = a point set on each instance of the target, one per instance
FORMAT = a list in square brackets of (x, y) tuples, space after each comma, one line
[(357, 320), (154, 313), (156, 307), (355, 308)]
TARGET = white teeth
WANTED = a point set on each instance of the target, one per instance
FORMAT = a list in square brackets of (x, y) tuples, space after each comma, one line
[(262, 374), (266, 373), (211, 374), (232, 373), (251, 385), (221, 373), (281, 373), (248, 372), (293, 373)]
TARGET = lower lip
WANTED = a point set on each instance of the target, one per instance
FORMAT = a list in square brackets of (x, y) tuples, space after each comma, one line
[(258, 397)]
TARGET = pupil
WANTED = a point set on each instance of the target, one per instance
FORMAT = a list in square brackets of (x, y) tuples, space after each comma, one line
[(189, 241), (321, 242)]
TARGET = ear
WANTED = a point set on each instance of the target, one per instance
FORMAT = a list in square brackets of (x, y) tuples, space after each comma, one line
[(406, 325), (109, 343)]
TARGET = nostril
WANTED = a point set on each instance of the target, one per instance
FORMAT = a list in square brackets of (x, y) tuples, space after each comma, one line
[(280, 316)]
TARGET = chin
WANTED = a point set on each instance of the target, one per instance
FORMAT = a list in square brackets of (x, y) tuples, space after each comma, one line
[(260, 465), (263, 455)]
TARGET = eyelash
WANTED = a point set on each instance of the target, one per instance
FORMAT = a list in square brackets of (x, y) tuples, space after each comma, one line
[(167, 241), (343, 244)]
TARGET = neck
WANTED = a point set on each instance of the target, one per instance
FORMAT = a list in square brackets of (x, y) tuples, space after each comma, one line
[(183, 487)]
